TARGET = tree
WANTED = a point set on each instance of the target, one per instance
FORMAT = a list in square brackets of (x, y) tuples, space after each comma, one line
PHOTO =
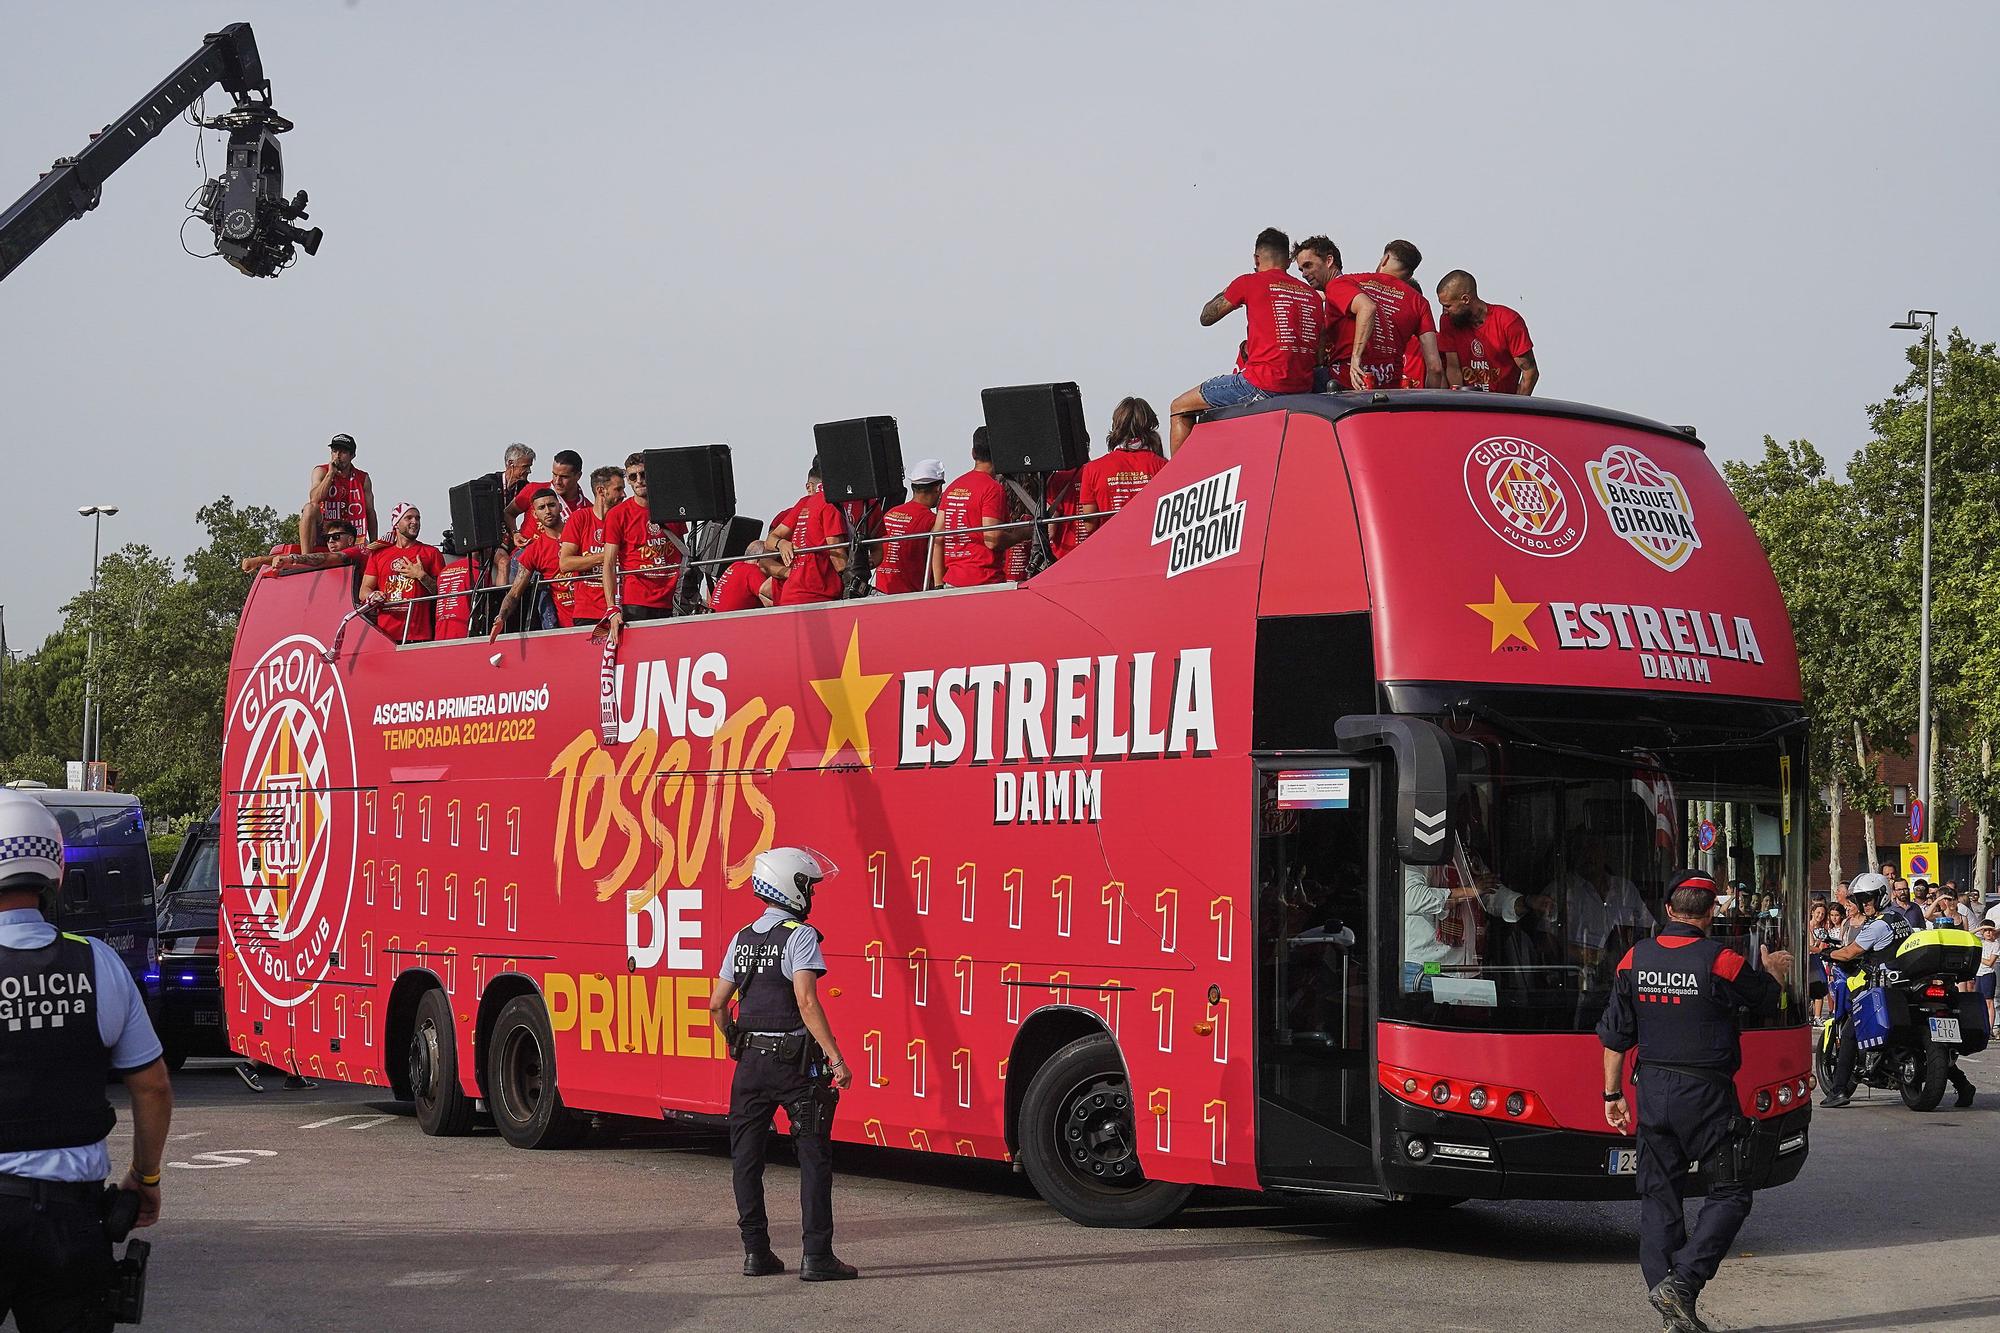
[(163, 646)]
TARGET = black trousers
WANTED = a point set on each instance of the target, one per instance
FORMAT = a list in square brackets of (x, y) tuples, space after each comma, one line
[(764, 1083), (1683, 1119), (55, 1265)]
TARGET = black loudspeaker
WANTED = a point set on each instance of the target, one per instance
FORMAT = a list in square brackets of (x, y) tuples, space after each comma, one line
[(741, 532), (860, 459), (478, 515), (695, 484), (1035, 428)]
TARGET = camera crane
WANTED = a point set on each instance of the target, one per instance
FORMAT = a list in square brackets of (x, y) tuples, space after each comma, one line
[(252, 220)]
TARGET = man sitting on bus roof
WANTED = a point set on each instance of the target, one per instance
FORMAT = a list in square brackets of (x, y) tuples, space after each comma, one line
[(1381, 314), (400, 573), (1488, 343), (1284, 315), (341, 549), (751, 582)]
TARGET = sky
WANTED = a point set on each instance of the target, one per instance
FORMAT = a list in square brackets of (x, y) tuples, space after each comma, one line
[(610, 227)]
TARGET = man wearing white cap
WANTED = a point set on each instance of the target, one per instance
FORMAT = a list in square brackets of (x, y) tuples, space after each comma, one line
[(906, 565)]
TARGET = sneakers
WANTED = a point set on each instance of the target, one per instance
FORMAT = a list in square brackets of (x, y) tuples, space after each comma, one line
[(762, 1263), (1674, 1299), (1835, 1100), (826, 1268)]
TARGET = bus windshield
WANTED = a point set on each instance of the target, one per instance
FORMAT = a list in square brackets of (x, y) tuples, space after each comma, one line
[(1566, 843)]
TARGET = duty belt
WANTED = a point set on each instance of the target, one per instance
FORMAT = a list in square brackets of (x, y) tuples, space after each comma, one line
[(773, 1045), (87, 1192)]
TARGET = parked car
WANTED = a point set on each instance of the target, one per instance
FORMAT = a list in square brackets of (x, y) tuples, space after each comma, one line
[(107, 888), (189, 1013)]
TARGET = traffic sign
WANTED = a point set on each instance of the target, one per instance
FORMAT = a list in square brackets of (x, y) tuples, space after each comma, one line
[(1920, 861), (1706, 837), (1917, 813)]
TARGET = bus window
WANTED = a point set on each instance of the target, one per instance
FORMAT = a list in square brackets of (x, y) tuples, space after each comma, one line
[(1561, 864)]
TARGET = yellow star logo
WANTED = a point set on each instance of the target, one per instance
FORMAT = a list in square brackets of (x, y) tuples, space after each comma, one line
[(848, 698), (1508, 617)]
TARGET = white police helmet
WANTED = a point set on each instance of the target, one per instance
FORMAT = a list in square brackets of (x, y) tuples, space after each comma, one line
[(786, 876), (31, 848), (1869, 887)]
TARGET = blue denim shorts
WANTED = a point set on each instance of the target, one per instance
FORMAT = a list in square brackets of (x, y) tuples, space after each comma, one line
[(1230, 391)]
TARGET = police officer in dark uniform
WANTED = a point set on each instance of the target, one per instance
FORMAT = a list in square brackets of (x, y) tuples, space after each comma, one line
[(1675, 998), (786, 1056), (70, 1015), (1883, 930)]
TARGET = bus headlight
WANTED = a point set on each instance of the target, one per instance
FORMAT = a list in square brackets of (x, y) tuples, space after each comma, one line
[(1477, 1099), (1440, 1092), (1763, 1101), (1516, 1104), (1784, 1094)]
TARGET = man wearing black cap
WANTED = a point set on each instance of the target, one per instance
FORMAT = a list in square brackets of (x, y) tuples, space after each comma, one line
[(338, 490), (1675, 998)]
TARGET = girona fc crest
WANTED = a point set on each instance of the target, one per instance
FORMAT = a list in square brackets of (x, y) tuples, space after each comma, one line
[(1647, 505), (1525, 496), (289, 821)]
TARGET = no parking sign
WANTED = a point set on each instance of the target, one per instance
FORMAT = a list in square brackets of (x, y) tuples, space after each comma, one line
[(1920, 861)]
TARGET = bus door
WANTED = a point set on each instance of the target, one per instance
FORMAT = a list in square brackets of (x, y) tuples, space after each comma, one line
[(1317, 862)]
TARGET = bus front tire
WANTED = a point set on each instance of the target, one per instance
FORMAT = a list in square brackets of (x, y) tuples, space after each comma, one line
[(443, 1109), (1079, 1145), (521, 1079)]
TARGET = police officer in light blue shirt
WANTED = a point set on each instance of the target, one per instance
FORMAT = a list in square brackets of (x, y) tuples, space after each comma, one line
[(70, 1016)]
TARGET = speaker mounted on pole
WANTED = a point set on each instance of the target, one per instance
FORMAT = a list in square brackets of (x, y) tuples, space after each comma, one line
[(478, 514), (860, 459), (695, 483), (1035, 428)]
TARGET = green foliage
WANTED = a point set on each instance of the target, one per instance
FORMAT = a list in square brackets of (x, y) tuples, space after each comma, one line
[(163, 644), (163, 848)]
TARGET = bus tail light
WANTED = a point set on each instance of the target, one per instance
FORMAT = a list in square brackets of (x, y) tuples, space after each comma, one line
[(1487, 1100)]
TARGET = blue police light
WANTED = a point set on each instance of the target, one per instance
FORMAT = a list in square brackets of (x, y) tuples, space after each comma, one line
[(187, 978)]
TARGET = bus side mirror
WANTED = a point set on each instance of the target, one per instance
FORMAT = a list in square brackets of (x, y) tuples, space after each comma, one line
[(1425, 771)]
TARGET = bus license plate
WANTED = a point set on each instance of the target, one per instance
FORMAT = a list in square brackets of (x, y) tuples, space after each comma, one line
[(1945, 1029), (1622, 1162)]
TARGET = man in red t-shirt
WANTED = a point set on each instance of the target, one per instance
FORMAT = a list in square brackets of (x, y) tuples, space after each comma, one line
[(1388, 313), (813, 576), (971, 546), (1064, 531), (1284, 316), (1485, 346), (644, 553), (400, 572), (541, 557), (341, 549), (337, 490), (751, 582), (583, 544), (905, 565), (454, 605), (566, 481), (1423, 364)]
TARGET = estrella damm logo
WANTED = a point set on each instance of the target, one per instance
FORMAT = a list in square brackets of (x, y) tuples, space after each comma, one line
[(1525, 496), (289, 866)]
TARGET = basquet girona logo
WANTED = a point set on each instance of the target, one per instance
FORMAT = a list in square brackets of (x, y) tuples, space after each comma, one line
[(292, 859), (1524, 494), (1647, 505)]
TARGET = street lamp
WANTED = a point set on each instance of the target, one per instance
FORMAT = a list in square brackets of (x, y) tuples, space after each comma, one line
[(93, 722), (1929, 325)]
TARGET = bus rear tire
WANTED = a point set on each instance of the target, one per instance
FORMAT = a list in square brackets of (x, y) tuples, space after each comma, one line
[(1079, 1145), (521, 1079), (443, 1109)]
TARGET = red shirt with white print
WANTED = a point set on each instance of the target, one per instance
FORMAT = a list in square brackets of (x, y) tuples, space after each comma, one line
[(585, 531), (813, 577), (454, 606), (543, 554), (649, 564), (346, 499), (1284, 315), (1111, 480), (901, 568), (399, 586), (972, 501), (1489, 355)]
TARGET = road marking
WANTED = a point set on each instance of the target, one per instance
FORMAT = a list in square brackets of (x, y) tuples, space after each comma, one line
[(367, 1121), (191, 1134), (440, 1278), (210, 1161)]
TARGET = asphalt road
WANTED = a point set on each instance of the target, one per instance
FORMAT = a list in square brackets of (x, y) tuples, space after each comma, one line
[(329, 1209)]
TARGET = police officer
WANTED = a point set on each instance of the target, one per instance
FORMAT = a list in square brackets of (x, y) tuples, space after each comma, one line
[(1884, 928), (69, 1016), (786, 1056), (1675, 998)]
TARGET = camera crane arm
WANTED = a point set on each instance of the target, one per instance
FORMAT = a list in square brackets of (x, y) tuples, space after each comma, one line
[(74, 185)]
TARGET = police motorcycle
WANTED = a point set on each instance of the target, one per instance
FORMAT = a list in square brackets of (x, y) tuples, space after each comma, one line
[(1910, 1019)]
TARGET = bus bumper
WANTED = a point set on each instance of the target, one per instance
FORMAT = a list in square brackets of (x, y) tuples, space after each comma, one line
[(1446, 1153)]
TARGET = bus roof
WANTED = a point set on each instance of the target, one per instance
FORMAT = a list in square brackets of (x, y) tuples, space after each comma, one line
[(1334, 406)]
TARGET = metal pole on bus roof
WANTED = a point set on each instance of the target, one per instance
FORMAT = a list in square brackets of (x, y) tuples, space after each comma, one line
[(1929, 325)]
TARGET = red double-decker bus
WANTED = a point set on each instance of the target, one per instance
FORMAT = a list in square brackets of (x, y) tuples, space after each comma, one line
[(1285, 835)]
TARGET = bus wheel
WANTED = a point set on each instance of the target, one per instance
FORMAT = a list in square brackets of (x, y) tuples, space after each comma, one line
[(521, 1079), (1079, 1145), (442, 1106)]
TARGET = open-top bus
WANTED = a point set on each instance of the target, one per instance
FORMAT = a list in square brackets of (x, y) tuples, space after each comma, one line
[(1136, 853)]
